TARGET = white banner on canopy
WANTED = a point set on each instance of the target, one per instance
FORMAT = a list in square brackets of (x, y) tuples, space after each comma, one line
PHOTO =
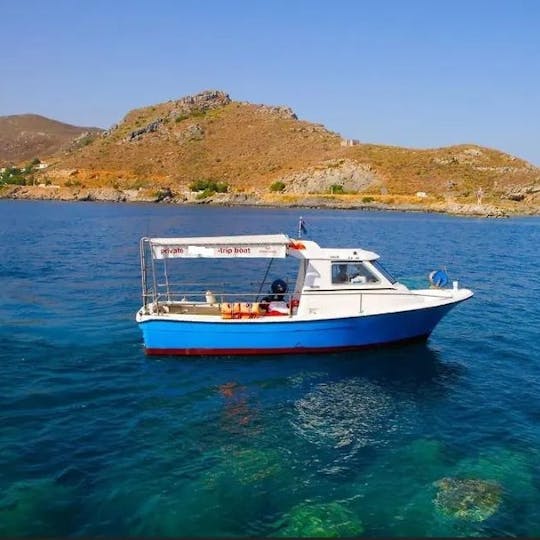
[(226, 251)]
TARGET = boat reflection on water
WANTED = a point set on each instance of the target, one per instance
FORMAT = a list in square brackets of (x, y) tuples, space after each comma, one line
[(338, 404), (416, 366), (239, 415), (412, 367)]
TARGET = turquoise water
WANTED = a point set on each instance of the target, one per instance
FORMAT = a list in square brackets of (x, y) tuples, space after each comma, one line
[(97, 439)]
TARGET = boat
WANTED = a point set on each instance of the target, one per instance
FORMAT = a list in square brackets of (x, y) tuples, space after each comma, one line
[(335, 299)]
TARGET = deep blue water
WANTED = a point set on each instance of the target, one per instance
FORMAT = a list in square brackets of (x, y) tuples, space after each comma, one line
[(99, 440)]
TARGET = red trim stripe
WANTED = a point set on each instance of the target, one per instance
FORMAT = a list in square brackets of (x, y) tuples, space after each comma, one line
[(284, 350)]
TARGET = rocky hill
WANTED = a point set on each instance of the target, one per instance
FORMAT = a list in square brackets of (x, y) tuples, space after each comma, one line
[(208, 148), (27, 136)]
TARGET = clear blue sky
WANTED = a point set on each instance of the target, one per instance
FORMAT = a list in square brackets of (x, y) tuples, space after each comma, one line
[(416, 73)]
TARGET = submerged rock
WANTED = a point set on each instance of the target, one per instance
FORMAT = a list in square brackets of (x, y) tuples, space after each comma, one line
[(250, 465), (245, 466), (395, 491), (36, 508), (469, 498), (323, 520)]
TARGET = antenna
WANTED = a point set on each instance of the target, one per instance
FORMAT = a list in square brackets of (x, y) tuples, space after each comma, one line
[(301, 227)]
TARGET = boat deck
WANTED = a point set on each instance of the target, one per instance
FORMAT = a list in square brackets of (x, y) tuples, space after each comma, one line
[(233, 310)]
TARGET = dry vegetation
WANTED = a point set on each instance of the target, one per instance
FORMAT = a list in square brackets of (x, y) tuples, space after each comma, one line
[(254, 147), (27, 136), (458, 170), (238, 145)]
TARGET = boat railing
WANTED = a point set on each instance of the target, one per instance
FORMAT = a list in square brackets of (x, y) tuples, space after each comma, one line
[(241, 303), (197, 296), (230, 304)]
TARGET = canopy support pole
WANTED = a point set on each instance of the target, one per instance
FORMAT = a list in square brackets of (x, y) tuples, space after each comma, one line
[(166, 280), (264, 279)]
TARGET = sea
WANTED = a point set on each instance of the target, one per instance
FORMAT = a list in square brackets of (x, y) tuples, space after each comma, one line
[(99, 440)]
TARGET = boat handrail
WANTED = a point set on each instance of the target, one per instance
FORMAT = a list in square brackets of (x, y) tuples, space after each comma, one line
[(208, 284), (185, 294), (392, 292), (234, 296)]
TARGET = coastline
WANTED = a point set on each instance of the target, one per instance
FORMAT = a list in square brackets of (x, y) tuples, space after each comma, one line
[(166, 196)]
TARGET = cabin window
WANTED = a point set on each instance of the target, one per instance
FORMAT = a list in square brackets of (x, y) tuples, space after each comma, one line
[(352, 273), (312, 276), (380, 268)]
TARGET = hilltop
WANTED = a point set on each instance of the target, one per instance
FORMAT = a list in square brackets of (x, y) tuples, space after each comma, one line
[(27, 136), (209, 148)]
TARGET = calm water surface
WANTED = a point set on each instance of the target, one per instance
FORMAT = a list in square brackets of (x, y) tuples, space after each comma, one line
[(97, 439)]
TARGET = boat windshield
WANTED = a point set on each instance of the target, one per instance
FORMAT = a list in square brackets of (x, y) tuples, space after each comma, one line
[(384, 271), (352, 273)]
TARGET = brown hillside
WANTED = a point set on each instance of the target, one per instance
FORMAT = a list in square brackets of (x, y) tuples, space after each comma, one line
[(208, 136), (458, 169), (242, 144), (27, 136)]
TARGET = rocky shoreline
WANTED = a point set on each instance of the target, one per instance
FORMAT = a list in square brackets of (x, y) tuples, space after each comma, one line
[(165, 195)]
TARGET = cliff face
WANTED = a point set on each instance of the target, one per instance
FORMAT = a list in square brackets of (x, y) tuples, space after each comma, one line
[(27, 136), (267, 154)]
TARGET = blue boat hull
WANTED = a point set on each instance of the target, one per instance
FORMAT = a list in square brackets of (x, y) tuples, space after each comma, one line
[(188, 338)]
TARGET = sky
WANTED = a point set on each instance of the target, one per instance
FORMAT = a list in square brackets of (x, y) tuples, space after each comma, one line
[(413, 73)]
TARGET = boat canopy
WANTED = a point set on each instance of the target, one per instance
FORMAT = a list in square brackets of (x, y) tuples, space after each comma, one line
[(253, 246)]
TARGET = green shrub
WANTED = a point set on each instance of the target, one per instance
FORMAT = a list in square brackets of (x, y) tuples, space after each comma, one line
[(209, 185), (277, 186), (14, 176), (220, 187), (73, 183), (337, 189), (198, 185), (17, 180), (198, 113), (11, 171), (86, 140), (204, 194), (367, 199)]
